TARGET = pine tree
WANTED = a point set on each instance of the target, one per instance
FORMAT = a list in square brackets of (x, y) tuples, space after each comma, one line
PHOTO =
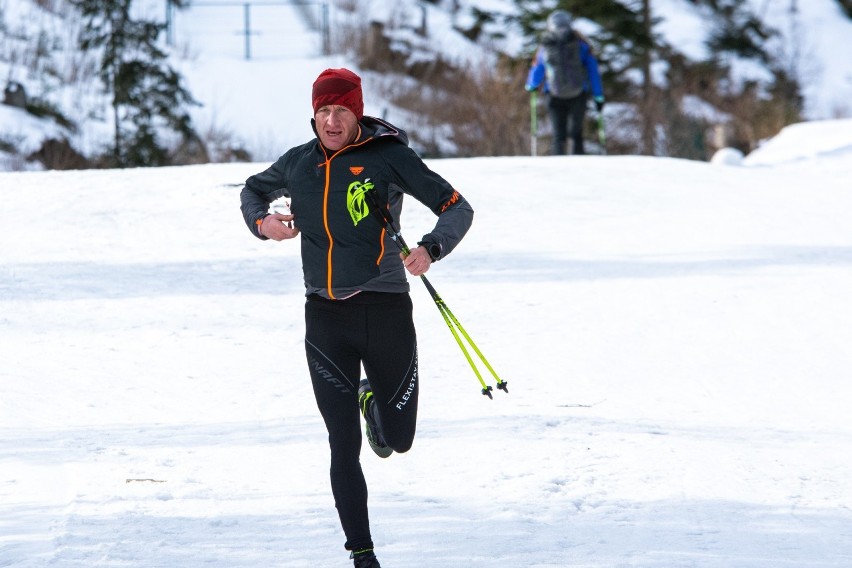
[(736, 30), (148, 97)]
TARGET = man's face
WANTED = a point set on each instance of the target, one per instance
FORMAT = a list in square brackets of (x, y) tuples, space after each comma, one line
[(337, 126)]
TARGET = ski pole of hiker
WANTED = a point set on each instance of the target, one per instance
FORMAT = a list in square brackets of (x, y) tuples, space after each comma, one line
[(599, 104), (533, 123)]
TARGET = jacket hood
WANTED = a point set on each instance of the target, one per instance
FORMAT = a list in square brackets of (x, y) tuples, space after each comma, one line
[(378, 128)]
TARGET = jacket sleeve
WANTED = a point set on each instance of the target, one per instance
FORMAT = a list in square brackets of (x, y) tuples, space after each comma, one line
[(262, 189), (453, 223), (536, 75), (591, 65), (455, 215)]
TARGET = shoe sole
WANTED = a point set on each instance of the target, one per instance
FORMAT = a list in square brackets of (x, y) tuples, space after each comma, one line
[(381, 451)]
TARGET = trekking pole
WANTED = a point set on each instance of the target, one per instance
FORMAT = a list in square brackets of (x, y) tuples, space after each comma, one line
[(601, 133), (533, 123), (450, 319)]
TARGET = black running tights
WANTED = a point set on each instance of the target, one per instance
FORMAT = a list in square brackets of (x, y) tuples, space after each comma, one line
[(375, 330)]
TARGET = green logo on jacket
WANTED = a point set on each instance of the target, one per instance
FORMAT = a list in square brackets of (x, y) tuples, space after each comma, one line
[(356, 203)]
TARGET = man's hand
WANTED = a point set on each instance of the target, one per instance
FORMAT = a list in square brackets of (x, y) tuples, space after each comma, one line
[(418, 262), (278, 227)]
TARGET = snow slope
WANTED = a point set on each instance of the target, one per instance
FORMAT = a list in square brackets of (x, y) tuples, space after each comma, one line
[(675, 336), (265, 101), (263, 104)]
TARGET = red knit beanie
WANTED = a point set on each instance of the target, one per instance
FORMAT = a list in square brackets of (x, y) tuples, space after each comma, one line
[(338, 87)]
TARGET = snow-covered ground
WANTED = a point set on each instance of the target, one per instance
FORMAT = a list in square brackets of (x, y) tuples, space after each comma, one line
[(675, 336)]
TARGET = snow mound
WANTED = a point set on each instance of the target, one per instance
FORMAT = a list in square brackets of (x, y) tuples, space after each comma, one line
[(805, 140), (727, 157)]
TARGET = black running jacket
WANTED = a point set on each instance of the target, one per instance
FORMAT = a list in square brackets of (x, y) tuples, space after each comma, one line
[(345, 248)]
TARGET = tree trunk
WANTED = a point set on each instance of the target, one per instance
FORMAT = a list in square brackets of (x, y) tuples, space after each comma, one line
[(648, 113)]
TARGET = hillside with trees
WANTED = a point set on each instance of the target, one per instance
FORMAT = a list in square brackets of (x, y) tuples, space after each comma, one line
[(98, 64)]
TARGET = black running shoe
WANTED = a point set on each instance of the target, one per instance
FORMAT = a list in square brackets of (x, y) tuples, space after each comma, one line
[(374, 437), (365, 559)]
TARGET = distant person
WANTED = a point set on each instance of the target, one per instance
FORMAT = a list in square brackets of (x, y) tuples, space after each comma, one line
[(358, 310), (565, 65)]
